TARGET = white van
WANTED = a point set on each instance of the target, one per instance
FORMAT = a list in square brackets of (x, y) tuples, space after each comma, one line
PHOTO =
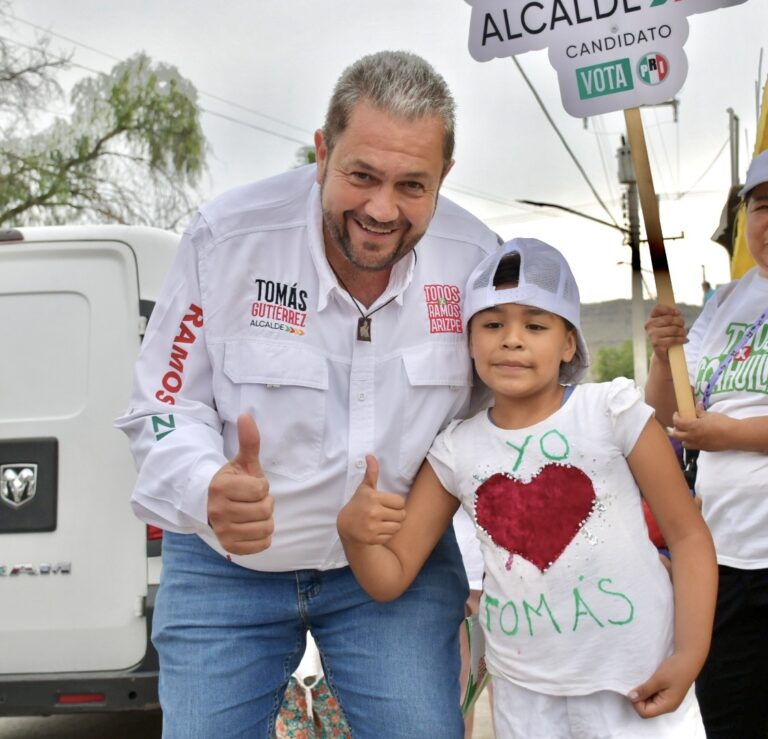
[(78, 572)]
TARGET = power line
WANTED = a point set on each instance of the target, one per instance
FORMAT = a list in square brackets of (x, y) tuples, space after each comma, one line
[(576, 213), (664, 148), (600, 150), (70, 40), (480, 195), (303, 142), (456, 187), (564, 142), (681, 195), (231, 119)]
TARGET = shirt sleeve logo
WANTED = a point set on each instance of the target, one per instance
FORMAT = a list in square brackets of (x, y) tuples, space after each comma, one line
[(173, 379)]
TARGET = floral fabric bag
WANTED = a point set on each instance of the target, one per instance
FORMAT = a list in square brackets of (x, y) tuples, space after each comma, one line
[(309, 710)]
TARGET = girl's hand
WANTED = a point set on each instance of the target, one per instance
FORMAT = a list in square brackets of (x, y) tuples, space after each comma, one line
[(665, 690), (708, 431), (370, 516), (665, 327)]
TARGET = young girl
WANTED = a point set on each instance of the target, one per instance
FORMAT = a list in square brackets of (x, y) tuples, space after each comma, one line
[(585, 634)]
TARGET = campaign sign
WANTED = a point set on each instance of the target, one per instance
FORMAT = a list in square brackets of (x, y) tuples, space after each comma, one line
[(609, 54)]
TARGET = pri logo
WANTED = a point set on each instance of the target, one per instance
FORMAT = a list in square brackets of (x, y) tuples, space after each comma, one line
[(18, 484), (653, 68)]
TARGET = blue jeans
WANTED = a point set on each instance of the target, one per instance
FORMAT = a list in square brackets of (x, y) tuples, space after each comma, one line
[(229, 639), (731, 685)]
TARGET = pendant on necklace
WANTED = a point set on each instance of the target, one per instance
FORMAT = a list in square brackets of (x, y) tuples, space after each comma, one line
[(364, 328)]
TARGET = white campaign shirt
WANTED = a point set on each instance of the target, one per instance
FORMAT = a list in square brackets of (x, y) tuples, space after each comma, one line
[(251, 319), (732, 484), (575, 599)]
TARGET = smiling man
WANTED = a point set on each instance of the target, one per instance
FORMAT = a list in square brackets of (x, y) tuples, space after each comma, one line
[(296, 333)]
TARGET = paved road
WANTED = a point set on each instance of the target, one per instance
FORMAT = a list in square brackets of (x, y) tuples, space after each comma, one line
[(131, 725)]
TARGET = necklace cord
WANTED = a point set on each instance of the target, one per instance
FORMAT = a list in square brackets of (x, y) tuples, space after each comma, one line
[(365, 316)]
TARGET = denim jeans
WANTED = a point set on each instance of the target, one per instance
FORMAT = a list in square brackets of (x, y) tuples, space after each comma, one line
[(731, 686), (229, 639)]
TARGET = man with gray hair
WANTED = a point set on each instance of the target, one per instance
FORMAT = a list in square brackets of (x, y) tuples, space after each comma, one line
[(309, 320)]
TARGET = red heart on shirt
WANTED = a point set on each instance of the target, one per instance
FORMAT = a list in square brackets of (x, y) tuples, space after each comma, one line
[(536, 519)]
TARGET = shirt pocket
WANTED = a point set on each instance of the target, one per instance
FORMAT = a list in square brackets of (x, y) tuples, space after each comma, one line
[(439, 384), (285, 389)]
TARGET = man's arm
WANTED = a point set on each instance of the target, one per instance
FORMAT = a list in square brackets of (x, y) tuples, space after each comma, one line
[(172, 424)]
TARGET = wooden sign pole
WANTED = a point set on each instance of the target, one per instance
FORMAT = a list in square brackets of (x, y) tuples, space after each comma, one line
[(650, 208)]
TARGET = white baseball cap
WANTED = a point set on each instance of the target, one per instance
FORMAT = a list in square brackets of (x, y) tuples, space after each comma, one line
[(757, 174), (545, 281)]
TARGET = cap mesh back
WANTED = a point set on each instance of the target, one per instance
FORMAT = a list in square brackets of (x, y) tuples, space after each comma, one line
[(544, 271), (570, 291), (485, 277)]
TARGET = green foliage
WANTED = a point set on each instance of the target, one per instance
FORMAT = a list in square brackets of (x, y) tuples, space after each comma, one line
[(614, 361), (305, 155), (131, 151)]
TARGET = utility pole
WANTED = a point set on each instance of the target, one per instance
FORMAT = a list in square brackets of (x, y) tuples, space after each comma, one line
[(627, 177), (733, 130)]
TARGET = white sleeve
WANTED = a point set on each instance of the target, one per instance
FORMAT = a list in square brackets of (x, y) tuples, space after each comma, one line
[(171, 422), (442, 460), (628, 412)]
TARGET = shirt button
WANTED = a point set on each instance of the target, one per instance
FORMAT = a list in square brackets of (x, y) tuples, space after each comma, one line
[(360, 464), (361, 396)]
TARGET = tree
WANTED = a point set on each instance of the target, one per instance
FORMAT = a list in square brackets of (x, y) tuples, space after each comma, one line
[(305, 155), (131, 151), (615, 361), (27, 79)]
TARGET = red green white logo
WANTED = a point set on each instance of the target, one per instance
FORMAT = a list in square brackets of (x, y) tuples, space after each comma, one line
[(653, 68)]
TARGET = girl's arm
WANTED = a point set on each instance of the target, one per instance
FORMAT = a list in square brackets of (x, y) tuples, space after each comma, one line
[(387, 539), (694, 570)]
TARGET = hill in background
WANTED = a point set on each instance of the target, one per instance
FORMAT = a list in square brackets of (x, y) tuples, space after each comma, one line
[(610, 323)]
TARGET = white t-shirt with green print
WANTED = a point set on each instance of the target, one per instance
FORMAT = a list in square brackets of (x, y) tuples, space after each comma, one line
[(575, 599), (733, 485)]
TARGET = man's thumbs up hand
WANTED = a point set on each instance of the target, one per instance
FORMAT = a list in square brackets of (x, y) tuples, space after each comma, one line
[(249, 440), (370, 516), (239, 504)]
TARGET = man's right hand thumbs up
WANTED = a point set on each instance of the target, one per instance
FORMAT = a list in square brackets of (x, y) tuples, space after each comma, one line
[(370, 516), (239, 505)]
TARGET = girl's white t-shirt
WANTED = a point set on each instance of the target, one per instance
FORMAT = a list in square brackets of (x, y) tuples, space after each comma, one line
[(575, 599)]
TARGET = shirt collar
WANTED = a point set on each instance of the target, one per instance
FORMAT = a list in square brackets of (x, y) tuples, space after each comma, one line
[(399, 279)]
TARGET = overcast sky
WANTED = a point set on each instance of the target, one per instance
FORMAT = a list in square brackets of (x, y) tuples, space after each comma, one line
[(265, 69)]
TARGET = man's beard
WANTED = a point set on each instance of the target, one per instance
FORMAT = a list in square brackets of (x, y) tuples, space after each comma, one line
[(339, 234)]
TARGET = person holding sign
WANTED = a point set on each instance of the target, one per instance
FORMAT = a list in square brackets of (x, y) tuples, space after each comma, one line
[(585, 634), (727, 354), (307, 319)]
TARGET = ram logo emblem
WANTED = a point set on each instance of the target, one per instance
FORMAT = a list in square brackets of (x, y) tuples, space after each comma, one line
[(18, 484)]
